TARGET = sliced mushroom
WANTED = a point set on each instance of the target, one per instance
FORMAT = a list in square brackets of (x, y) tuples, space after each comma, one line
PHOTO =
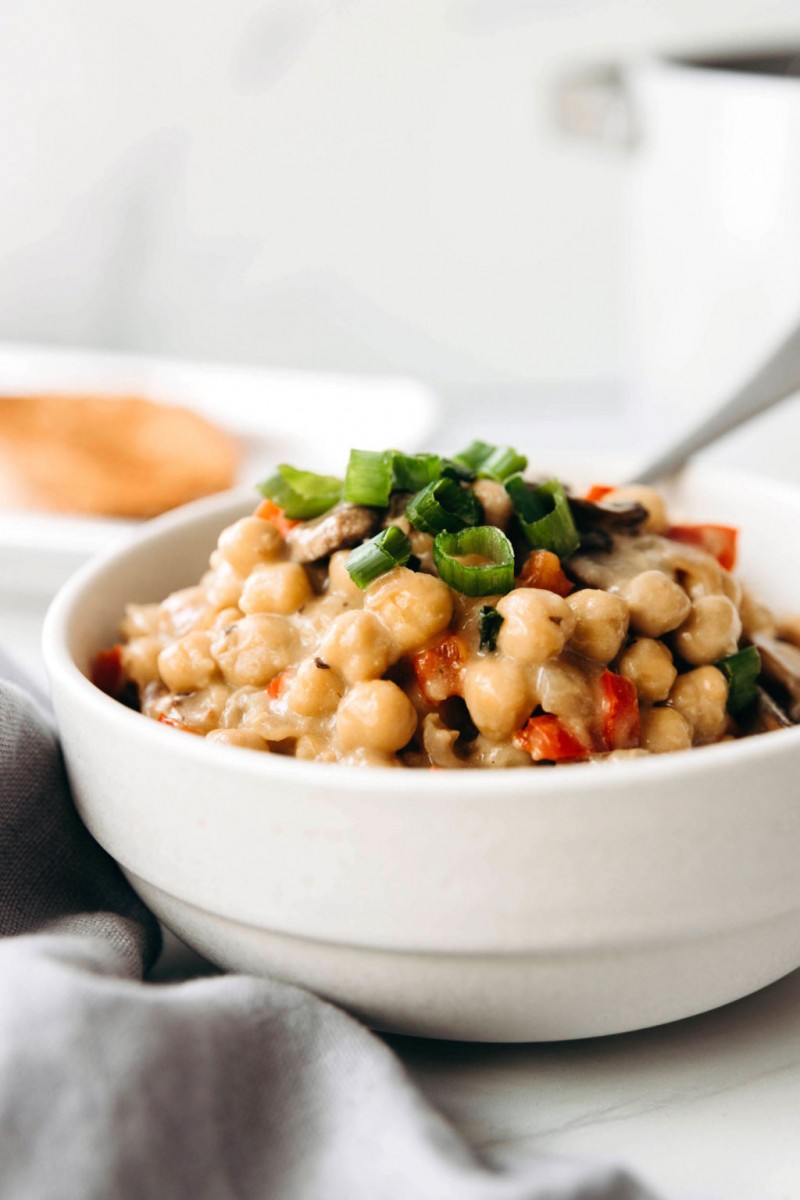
[(780, 667), (621, 517), (770, 716), (439, 742), (343, 526)]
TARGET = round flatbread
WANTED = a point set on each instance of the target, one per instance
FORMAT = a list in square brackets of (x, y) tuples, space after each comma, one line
[(122, 456)]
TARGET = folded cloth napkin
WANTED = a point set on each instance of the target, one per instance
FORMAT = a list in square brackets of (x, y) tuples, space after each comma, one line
[(228, 1088)]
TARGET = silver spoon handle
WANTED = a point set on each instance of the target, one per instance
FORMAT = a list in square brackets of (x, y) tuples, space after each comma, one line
[(776, 379)]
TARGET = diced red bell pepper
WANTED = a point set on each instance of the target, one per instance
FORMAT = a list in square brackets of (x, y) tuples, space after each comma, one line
[(598, 491), (542, 569), (106, 671), (620, 723), (720, 541), (276, 516), (174, 723), (278, 685), (547, 739), (440, 668)]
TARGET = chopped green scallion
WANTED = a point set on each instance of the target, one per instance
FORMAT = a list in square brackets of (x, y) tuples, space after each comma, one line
[(544, 515), (369, 478), (741, 671), (489, 622), (388, 549), (410, 472), (488, 578), (301, 494), (444, 507)]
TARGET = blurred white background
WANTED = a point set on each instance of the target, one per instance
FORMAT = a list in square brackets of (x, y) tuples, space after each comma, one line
[(342, 184)]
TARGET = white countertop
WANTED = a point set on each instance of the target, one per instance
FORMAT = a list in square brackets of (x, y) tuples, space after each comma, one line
[(704, 1109)]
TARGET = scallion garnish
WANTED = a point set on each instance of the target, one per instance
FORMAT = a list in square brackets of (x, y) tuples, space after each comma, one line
[(451, 552), (489, 622), (502, 462), (742, 671), (388, 549), (410, 472), (544, 515), (301, 494), (468, 461), (369, 478), (444, 507)]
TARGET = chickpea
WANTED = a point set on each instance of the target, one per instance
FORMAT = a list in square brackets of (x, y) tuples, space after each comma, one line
[(789, 630), (254, 650), (185, 610), (498, 695), (358, 645), (248, 739), (711, 630), (601, 624), (339, 578), (315, 690), (536, 625), (223, 586), (414, 607), (756, 617), (731, 587), (649, 665), (140, 619), (497, 506), (140, 659), (226, 617), (664, 730), (248, 542), (657, 520), (657, 604), (700, 697), (187, 665), (281, 587), (376, 715)]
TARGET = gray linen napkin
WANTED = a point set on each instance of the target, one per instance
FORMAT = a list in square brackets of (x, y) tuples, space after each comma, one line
[(228, 1088)]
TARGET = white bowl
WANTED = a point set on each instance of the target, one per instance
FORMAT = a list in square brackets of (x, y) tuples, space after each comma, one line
[(498, 906)]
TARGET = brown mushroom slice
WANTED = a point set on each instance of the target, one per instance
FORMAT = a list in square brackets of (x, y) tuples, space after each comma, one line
[(769, 714), (780, 666), (624, 516), (439, 742), (343, 526)]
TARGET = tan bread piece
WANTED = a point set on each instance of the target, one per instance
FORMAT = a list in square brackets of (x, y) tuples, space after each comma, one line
[(121, 456)]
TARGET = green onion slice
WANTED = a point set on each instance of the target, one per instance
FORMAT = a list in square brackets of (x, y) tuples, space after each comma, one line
[(487, 462), (489, 622), (444, 507), (451, 552), (410, 472), (369, 478), (388, 549), (301, 494), (545, 515), (742, 671)]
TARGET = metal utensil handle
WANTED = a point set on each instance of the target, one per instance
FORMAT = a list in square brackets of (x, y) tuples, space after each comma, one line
[(776, 379)]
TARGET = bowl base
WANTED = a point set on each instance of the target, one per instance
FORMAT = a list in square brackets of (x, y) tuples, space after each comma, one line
[(499, 998)]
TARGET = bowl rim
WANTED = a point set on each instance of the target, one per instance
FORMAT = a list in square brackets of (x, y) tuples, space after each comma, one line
[(64, 671)]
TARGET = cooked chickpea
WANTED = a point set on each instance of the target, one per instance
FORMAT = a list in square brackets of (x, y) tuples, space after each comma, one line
[(536, 625), (789, 630), (280, 587), (339, 578), (140, 619), (226, 617), (248, 542), (496, 502), (414, 607), (187, 665), (650, 667), (711, 630), (376, 715), (601, 624), (498, 694), (140, 659), (664, 730), (223, 586), (315, 690), (248, 739), (657, 520), (657, 604), (700, 697), (756, 617), (254, 650), (358, 645)]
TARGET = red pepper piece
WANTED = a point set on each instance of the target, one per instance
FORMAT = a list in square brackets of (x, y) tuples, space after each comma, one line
[(620, 728), (542, 569), (720, 541), (276, 516), (440, 668), (598, 491), (106, 671), (547, 739)]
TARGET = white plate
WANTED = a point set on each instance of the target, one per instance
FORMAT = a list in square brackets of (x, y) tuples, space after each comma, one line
[(300, 416)]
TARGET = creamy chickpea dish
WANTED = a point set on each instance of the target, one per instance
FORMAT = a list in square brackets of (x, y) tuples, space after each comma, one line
[(448, 613)]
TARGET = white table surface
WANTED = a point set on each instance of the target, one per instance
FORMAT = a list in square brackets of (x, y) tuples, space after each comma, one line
[(704, 1109)]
